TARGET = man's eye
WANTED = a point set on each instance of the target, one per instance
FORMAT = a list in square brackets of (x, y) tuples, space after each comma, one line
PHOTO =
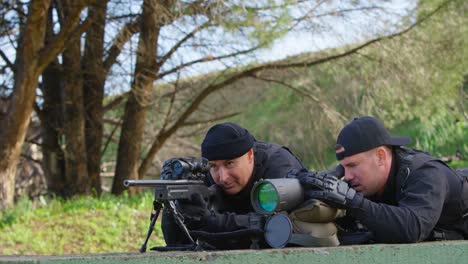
[(230, 163)]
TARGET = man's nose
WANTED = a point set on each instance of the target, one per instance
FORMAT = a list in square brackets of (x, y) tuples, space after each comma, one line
[(223, 175), (348, 176)]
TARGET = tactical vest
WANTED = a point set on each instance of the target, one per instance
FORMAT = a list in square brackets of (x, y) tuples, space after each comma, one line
[(412, 159)]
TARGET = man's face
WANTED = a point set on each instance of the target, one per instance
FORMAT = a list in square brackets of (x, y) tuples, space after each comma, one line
[(234, 174), (365, 172)]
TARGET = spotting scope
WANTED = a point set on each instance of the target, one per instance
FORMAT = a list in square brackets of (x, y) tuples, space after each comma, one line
[(274, 195)]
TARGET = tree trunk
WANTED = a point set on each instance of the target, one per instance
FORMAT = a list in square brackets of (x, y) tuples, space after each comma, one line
[(16, 121), (53, 161), (74, 123), (135, 109), (94, 77)]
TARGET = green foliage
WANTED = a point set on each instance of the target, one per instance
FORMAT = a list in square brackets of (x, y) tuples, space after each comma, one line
[(79, 225), (445, 136), (274, 105)]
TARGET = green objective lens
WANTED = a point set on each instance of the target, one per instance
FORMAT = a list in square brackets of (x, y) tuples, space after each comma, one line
[(267, 197)]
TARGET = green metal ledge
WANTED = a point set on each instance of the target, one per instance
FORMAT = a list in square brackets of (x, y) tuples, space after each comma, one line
[(432, 252)]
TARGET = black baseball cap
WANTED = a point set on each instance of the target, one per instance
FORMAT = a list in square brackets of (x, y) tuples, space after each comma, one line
[(226, 141), (363, 134)]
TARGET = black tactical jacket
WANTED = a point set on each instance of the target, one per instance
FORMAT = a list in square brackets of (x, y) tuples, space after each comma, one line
[(425, 201)]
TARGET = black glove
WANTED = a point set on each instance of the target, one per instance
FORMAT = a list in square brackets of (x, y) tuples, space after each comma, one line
[(197, 216), (195, 211), (324, 186)]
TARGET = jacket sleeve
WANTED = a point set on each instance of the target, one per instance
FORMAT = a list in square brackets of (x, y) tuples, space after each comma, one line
[(418, 210), (226, 222), (214, 223)]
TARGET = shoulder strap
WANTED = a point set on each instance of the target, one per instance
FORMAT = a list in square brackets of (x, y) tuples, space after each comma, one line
[(410, 159), (463, 172), (413, 159)]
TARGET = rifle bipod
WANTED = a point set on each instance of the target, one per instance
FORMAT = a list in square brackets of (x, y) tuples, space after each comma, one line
[(180, 222), (157, 206)]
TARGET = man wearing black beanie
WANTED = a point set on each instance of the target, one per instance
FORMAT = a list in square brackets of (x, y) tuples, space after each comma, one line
[(229, 149), (236, 162)]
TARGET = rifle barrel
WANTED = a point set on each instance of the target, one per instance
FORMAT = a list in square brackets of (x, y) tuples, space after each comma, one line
[(153, 183)]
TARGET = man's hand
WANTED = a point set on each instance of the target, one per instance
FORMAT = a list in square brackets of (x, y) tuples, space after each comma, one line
[(195, 211), (325, 186), (197, 216)]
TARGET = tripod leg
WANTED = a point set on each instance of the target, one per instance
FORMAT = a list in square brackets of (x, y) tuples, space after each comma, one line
[(154, 216)]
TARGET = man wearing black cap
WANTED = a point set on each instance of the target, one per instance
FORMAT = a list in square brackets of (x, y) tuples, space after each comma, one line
[(236, 162), (401, 195)]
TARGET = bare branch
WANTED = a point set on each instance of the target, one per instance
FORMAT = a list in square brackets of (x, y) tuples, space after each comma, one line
[(116, 102), (199, 122), (111, 136), (7, 61), (171, 103), (112, 18), (68, 33), (205, 59), (182, 41), (330, 112), (295, 89), (123, 37), (338, 12), (191, 134), (111, 121), (274, 6)]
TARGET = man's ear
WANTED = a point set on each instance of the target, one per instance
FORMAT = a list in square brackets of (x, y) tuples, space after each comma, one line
[(382, 155), (250, 155)]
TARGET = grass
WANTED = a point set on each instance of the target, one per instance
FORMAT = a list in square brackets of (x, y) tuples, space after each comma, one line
[(79, 225)]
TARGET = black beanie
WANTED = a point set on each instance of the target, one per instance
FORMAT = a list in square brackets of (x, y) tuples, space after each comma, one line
[(226, 141)]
